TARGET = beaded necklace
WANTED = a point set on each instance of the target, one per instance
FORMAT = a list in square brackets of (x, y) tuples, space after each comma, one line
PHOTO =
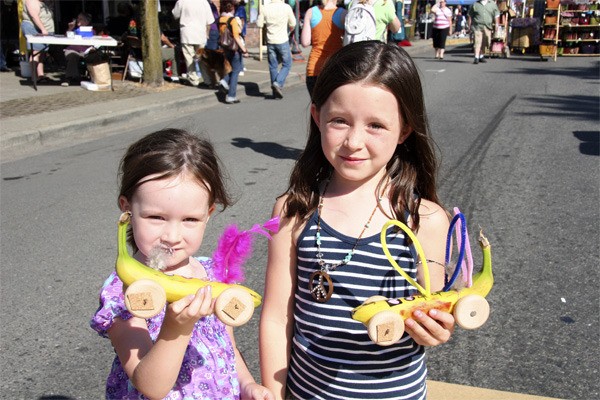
[(323, 289)]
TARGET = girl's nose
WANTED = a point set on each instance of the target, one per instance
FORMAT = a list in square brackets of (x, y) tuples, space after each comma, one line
[(171, 234), (355, 138)]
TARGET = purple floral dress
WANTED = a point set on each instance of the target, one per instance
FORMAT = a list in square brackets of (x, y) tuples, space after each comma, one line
[(208, 368)]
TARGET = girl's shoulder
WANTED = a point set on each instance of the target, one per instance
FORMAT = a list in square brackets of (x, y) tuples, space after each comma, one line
[(433, 217)]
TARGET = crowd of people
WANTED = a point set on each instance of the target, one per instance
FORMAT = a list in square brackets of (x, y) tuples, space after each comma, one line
[(196, 57)]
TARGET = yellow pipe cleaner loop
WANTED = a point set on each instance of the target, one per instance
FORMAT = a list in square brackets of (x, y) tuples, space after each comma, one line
[(424, 291)]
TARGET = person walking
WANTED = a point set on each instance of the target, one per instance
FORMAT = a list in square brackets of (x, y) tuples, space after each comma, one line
[(195, 18), (481, 18), (278, 18), (234, 56), (441, 27)]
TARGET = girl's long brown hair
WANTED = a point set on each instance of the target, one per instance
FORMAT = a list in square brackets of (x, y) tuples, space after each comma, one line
[(412, 169)]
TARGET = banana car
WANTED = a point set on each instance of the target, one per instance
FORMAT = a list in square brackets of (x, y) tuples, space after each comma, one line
[(385, 317), (147, 290)]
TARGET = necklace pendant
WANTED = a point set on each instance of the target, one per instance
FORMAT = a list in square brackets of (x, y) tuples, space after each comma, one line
[(323, 289)]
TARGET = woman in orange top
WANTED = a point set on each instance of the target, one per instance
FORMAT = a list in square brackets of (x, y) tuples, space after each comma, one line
[(229, 82), (323, 30)]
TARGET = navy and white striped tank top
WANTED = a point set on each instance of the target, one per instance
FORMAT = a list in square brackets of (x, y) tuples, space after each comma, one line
[(332, 354)]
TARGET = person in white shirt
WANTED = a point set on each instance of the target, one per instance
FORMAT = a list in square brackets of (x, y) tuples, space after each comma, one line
[(278, 19), (195, 18)]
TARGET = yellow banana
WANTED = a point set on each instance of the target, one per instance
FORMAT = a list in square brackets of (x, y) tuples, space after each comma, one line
[(468, 305), (176, 287)]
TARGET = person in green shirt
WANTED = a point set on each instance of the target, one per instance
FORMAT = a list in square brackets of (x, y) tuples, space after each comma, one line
[(481, 18)]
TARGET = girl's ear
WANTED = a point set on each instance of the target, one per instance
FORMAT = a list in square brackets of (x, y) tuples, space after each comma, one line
[(124, 204), (211, 210), (315, 114), (405, 133)]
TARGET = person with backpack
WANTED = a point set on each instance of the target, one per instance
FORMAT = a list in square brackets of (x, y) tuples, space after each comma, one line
[(370, 20), (230, 29), (323, 30), (278, 18)]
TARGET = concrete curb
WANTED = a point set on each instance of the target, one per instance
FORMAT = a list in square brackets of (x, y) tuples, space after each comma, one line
[(86, 120)]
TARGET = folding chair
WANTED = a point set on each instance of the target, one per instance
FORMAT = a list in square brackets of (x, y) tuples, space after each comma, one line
[(133, 44)]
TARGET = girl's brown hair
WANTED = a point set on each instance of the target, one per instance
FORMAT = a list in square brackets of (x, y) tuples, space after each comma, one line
[(412, 169), (168, 153)]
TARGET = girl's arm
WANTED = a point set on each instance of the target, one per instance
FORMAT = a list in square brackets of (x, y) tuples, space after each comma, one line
[(436, 327), (153, 368), (306, 35), (277, 318), (249, 389)]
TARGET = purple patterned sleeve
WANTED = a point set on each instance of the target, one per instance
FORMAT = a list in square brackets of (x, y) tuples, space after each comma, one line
[(112, 305)]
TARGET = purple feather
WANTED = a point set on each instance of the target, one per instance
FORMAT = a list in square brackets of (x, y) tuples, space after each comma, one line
[(235, 247)]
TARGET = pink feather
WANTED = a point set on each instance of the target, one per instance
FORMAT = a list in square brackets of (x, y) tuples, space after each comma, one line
[(235, 247)]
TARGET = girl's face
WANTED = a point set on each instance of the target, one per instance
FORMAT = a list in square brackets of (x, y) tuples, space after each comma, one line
[(360, 127), (168, 217)]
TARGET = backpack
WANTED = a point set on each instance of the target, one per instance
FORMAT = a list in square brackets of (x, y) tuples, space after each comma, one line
[(360, 23), (226, 39)]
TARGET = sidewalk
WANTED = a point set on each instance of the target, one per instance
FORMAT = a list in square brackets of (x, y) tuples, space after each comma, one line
[(30, 119)]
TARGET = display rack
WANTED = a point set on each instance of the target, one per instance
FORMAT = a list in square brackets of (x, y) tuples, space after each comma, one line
[(580, 29), (550, 30)]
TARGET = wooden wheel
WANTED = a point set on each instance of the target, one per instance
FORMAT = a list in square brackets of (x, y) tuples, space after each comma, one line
[(471, 311), (234, 307), (145, 298), (385, 328)]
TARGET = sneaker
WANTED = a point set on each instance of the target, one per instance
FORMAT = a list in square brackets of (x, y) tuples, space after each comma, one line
[(482, 60), (231, 100), (224, 84), (174, 79), (476, 61), (241, 73), (277, 93)]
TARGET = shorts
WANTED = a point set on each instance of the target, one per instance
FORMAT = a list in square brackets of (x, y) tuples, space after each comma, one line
[(482, 36), (28, 28)]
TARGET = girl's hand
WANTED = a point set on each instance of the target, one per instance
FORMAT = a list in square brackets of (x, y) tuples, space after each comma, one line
[(184, 313), (254, 391), (430, 329)]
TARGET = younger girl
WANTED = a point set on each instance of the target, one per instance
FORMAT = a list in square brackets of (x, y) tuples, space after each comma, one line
[(369, 158), (171, 183)]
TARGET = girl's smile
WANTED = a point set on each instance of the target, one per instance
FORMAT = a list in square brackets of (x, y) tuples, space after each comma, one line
[(360, 126)]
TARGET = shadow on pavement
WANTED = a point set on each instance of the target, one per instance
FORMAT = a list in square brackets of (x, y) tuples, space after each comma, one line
[(271, 149), (590, 142)]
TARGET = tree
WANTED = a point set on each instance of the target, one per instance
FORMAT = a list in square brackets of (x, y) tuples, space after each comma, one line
[(151, 53)]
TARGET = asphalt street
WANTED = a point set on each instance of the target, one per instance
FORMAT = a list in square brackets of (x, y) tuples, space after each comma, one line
[(518, 140)]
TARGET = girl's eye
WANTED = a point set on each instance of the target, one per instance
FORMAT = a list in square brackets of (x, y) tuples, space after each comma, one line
[(377, 126), (156, 217), (191, 220), (338, 121)]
